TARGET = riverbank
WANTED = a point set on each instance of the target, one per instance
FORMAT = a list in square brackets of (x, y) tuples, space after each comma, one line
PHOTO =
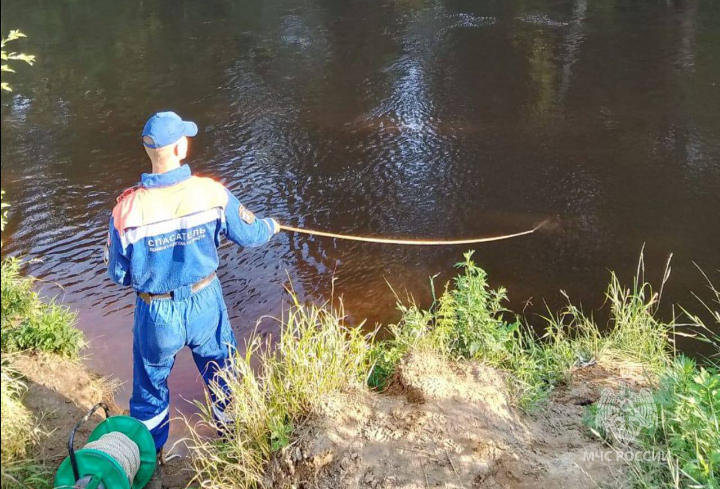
[(465, 395), (55, 394), (462, 394)]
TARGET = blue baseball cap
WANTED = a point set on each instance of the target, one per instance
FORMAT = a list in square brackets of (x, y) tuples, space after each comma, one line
[(166, 128)]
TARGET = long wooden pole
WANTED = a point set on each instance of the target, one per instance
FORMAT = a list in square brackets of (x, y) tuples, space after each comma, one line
[(412, 242)]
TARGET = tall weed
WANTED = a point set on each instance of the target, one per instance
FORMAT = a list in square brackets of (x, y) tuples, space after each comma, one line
[(270, 391), (636, 334), (470, 317)]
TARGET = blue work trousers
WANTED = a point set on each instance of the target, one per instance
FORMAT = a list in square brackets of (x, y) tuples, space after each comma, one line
[(161, 329)]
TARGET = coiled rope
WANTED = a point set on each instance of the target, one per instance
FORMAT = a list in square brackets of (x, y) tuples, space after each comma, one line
[(412, 242), (121, 448)]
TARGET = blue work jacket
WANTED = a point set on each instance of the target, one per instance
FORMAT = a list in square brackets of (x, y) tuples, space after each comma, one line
[(165, 232)]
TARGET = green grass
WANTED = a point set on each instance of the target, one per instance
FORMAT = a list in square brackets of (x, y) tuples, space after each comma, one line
[(635, 333), (17, 293), (27, 474), (273, 390), (31, 324), (708, 333)]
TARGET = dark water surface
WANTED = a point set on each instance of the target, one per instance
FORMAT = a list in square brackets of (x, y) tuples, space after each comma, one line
[(446, 119)]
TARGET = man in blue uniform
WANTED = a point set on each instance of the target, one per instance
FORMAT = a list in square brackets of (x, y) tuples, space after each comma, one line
[(163, 240)]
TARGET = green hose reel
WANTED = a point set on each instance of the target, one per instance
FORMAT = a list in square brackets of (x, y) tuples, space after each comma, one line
[(88, 468)]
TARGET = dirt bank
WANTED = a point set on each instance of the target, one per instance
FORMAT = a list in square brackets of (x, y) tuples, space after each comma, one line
[(450, 425), (59, 393), (439, 424)]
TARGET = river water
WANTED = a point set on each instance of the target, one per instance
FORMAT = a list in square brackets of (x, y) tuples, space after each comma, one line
[(406, 118)]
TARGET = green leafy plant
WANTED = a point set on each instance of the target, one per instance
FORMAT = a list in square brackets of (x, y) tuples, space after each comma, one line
[(280, 431), (8, 56), (29, 323), (470, 320), (50, 328), (17, 293), (413, 332), (688, 433), (465, 322)]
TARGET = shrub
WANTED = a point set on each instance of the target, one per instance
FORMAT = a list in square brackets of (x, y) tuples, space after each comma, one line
[(469, 317), (465, 322)]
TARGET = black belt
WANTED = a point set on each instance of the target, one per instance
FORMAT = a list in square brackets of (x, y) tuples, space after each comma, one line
[(196, 287)]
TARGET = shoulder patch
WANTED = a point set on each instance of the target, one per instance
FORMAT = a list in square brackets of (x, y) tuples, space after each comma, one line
[(246, 215), (125, 193)]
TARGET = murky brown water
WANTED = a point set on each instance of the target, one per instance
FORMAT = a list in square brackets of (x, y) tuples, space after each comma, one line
[(451, 118)]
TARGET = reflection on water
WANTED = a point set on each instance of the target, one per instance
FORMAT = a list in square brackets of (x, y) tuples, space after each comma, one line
[(423, 118)]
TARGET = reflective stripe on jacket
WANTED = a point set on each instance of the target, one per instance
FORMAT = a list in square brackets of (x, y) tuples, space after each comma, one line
[(165, 232)]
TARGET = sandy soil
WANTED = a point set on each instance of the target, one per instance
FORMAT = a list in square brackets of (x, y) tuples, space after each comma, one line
[(451, 426), (60, 393)]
